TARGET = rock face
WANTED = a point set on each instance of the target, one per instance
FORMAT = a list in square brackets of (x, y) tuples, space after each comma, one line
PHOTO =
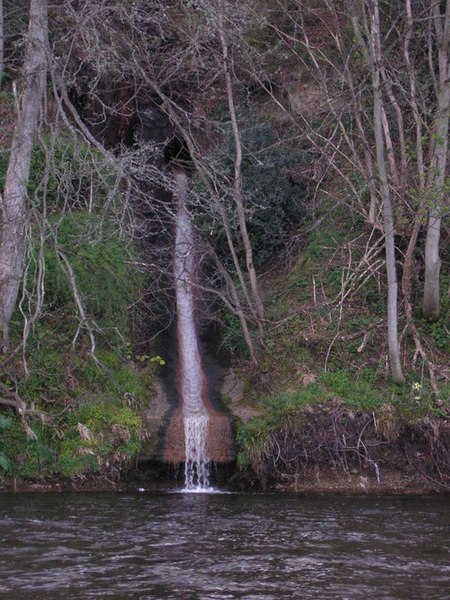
[(220, 446), (233, 392), (163, 438), (155, 424)]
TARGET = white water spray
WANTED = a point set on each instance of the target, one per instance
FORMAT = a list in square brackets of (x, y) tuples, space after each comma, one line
[(196, 474), (190, 370)]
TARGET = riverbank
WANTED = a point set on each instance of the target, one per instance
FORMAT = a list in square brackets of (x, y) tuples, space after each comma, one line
[(326, 482), (283, 446), (333, 447), (291, 446)]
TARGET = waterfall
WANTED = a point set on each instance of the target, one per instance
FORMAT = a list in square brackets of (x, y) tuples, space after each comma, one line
[(191, 377), (196, 474)]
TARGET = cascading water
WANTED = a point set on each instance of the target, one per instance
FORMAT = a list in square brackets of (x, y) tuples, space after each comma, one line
[(196, 473), (191, 377)]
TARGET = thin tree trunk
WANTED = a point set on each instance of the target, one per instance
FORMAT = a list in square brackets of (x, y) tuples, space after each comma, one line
[(237, 187), (406, 287), (394, 354), (2, 43), (438, 166), (235, 307), (413, 86), (17, 175)]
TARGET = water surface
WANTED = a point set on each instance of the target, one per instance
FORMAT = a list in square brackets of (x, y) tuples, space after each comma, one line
[(202, 546)]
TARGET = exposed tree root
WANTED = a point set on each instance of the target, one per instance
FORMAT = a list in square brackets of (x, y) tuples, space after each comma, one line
[(332, 436)]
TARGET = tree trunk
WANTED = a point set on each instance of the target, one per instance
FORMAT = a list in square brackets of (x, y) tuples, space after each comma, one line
[(394, 354), (438, 164), (237, 186), (17, 175), (2, 43)]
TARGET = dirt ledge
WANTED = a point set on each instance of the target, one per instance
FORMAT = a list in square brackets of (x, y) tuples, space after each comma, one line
[(331, 447), (392, 482)]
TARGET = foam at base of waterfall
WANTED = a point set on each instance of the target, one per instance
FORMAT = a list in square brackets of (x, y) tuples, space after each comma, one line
[(196, 471), (199, 490)]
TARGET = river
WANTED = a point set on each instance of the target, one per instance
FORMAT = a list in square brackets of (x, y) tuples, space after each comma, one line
[(223, 546)]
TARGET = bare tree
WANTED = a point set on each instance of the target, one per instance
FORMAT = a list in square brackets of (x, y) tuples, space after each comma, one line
[(376, 66), (412, 126), (237, 184), (15, 192), (159, 73), (347, 145), (2, 42), (438, 162)]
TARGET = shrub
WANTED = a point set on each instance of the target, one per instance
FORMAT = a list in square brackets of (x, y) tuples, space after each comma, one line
[(274, 202)]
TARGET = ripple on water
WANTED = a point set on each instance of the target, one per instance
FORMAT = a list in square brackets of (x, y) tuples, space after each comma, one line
[(219, 546)]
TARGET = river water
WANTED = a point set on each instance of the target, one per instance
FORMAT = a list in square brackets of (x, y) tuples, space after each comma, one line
[(223, 546)]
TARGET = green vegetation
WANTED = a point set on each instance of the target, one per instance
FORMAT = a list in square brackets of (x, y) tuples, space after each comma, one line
[(96, 434), (323, 351), (74, 175), (275, 204), (83, 411), (307, 184), (365, 393), (5, 463)]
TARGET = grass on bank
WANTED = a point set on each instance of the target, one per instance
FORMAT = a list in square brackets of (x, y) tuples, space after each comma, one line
[(83, 414), (365, 393), (326, 338)]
